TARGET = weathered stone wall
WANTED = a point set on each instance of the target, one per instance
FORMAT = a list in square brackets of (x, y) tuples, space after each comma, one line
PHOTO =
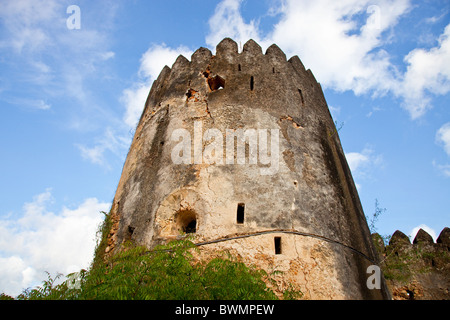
[(419, 270), (308, 199)]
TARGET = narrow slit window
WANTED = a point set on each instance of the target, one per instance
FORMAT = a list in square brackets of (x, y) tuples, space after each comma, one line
[(277, 242), (252, 82), (240, 213), (239, 67), (301, 97)]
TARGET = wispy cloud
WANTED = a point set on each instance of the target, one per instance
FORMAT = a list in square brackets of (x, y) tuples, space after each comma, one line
[(443, 168), (437, 18), (57, 61), (110, 142), (61, 64), (443, 137), (27, 22), (443, 140), (32, 104), (362, 164)]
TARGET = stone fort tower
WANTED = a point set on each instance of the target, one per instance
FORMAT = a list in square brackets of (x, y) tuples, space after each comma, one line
[(240, 151)]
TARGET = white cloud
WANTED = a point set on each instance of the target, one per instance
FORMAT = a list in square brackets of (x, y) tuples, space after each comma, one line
[(106, 55), (412, 234), (428, 71), (93, 154), (42, 105), (44, 241), (15, 275), (343, 52), (110, 141), (356, 160), (443, 137), (157, 56), (363, 163), (152, 62), (342, 42), (443, 168), (228, 22), (31, 104), (374, 109), (134, 99), (435, 19)]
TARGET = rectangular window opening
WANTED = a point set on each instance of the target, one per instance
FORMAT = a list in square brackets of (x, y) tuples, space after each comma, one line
[(240, 213), (277, 241), (252, 82)]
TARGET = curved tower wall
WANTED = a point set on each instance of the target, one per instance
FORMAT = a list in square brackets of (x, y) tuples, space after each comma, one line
[(288, 204)]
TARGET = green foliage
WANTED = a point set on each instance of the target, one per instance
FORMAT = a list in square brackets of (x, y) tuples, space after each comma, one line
[(102, 239), (223, 277), (47, 291), (166, 273), (5, 297), (397, 269), (403, 262)]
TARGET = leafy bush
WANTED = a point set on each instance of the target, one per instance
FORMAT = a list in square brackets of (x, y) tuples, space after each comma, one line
[(166, 273)]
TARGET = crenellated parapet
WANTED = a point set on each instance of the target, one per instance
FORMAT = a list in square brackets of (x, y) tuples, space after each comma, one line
[(419, 269), (266, 75)]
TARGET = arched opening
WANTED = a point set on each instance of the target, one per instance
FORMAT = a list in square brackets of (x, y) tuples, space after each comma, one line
[(186, 221)]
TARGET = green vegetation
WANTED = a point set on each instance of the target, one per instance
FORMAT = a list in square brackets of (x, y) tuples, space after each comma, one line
[(167, 272), (403, 262)]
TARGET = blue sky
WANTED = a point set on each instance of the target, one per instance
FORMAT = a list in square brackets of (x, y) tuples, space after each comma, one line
[(70, 99)]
